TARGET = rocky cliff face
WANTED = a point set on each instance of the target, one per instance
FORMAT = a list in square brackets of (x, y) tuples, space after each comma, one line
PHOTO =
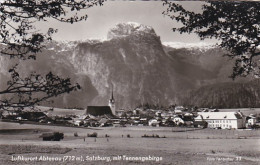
[(135, 63), (131, 28)]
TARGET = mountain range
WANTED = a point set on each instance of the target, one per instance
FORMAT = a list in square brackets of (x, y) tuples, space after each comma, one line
[(140, 69)]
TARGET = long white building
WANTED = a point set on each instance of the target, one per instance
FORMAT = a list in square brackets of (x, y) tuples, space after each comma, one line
[(224, 120)]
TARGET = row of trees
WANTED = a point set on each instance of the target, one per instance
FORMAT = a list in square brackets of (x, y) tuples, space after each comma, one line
[(21, 40), (236, 25)]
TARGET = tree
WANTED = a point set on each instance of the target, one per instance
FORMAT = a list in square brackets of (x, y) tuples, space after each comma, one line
[(19, 39), (235, 24)]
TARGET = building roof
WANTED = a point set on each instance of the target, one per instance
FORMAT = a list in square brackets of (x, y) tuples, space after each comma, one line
[(98, 110), (103, 120), (220, 115), (199, 117), (187, 118)]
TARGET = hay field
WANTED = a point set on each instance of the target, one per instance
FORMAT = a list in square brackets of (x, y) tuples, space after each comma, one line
[(197, 146), (61, 111)]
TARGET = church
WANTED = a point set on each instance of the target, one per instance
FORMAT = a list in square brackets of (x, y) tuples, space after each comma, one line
[(103, 110)]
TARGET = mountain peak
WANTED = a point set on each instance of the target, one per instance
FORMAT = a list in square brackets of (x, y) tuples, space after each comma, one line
[(199, 45), (129, 28)]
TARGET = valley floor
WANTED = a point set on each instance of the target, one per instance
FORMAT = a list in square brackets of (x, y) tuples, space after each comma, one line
[(201, 146)]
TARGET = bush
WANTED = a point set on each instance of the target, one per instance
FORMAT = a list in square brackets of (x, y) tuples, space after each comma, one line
[(58, 136), (55, 136), (94, 134)]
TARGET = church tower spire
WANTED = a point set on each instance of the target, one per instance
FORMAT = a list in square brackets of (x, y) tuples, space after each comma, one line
[(112, 96), (111, 102)]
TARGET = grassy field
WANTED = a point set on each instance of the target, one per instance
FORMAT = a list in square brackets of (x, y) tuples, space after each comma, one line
[(195, 146), (61, 111)]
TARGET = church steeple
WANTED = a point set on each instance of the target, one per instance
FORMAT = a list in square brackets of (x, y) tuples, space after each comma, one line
[(111, 102), (112, 95)]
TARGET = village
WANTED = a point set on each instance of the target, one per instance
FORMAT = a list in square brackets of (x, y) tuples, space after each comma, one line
[(102, 116), (203, 133), (109, 116)]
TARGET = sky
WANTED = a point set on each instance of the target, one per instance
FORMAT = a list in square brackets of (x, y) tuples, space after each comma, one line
[(101, 19)]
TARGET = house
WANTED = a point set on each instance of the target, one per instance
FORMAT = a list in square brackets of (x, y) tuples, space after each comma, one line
[(178, 109), (129, 113), (251, 120), (158, 113), (166, 115), (137, 111), (224, 120), (104, 122), (178, 120), (135, 117), (91, 123), (120, 112), (188, 120), (9, 114), (78, 122), (188, 114), (153, 122), (144, 121)]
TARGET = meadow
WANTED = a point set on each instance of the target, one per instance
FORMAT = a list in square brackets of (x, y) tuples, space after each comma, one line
[(180, 145)]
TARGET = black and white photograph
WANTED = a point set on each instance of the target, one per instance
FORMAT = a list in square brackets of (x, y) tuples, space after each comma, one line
[(129, 82)]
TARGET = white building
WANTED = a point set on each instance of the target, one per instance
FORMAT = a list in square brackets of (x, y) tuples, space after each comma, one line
[(119, 112), (178, 109), (78, 122), (177, 120), (153, 122), (224, 120), (251, 121)]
